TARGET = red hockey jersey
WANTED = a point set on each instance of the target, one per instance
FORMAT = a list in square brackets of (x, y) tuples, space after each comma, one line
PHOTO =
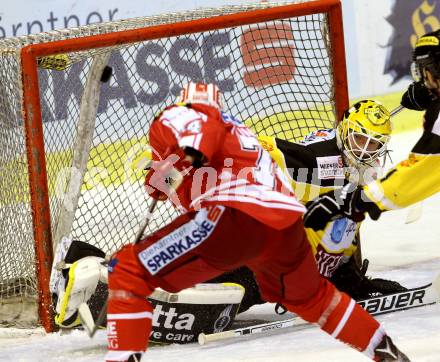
[(239, 173)]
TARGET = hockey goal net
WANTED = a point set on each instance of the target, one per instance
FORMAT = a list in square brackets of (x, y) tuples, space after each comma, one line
[(71, 144)]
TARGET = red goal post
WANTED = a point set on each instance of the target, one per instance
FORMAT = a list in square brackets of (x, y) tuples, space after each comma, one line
[(77, 46)]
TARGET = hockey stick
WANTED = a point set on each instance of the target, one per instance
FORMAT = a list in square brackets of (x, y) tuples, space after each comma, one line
[(147, 221), (412, 298), (396, 110), (259, 328), (84, 311)]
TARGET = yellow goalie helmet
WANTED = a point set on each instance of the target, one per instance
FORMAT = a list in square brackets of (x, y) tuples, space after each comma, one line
[(364, 132)]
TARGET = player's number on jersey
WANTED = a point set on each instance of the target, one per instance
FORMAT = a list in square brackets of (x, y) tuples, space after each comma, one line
[(263, 171)]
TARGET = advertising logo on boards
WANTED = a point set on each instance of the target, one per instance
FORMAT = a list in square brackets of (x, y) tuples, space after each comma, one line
[(410, 20)]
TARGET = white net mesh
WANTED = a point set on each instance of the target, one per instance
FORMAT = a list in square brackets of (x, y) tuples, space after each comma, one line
[(275, 75)]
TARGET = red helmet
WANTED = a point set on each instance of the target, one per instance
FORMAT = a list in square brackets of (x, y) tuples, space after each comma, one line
[(201, 93)]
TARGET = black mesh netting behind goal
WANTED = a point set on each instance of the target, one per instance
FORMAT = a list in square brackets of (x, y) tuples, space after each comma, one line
[(276, 76)]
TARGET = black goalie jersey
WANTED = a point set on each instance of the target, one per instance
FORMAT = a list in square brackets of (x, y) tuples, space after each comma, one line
[(315, 166)]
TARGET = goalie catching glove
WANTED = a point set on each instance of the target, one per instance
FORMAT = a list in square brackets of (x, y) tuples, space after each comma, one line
[(80, 276)]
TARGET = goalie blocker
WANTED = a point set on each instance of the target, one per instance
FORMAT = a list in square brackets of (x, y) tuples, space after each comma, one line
[(79, 274)]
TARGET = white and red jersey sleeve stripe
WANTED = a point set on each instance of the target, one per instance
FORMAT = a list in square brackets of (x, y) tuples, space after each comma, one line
[(239, 173)]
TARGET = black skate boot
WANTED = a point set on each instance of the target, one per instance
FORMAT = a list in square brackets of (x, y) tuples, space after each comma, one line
[(386, 351), (135, 357)]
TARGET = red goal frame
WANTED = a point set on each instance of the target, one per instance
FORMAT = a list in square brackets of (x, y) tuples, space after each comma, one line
[(33, 118)]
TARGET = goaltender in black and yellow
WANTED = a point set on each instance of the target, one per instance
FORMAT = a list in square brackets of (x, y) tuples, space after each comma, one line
[(413, 179)]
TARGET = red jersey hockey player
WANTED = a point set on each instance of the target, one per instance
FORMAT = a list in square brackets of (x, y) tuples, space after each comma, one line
[(239, 211)]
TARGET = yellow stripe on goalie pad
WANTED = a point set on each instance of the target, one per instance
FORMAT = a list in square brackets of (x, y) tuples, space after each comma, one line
[(59, 318)]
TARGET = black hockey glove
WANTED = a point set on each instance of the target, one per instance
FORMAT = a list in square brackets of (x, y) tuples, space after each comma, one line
[(418, 97), (332, 205), (349, 201)]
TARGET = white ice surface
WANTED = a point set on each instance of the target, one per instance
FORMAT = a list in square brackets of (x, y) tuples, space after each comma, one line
[(408, 253)]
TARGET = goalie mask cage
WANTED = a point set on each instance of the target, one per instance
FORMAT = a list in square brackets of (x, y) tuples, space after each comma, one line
[(72, 145)]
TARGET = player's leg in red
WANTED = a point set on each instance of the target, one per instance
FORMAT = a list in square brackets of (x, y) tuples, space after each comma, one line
[(167, 260), (198, 247), (302, 290), (128, 308), (192, 249)]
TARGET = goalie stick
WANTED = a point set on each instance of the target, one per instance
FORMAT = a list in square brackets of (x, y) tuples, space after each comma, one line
[(84, 311), (411, 298)]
